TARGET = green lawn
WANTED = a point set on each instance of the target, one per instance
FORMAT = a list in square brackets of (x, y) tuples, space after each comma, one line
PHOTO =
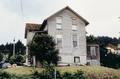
[(22, 70), (90, 71)]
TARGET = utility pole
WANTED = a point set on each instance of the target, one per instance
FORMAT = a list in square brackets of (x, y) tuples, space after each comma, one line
[(14, 47)]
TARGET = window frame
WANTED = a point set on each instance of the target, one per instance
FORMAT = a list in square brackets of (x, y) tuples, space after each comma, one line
[(59, 23), (59, 37), (75, 58), (74, 24), (76, 40)]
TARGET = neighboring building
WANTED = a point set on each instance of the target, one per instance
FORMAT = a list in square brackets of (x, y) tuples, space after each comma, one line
[(118, 48), (68, 29), (93, 54), (112, 48)]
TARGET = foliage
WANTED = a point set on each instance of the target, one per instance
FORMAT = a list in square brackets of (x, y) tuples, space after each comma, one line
[(8, 48), (20, 48), (91, 39), (1, 57), (18, 59), (12, 60), (44, 75), (76, 75), (67, 75), (43, 47)]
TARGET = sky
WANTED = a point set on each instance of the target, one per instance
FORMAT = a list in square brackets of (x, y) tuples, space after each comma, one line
[(101, 14)]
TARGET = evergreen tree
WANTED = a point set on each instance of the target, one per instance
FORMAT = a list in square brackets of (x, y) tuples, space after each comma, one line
[(44, 48)]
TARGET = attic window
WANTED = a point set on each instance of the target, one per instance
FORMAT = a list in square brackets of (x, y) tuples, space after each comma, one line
[(74, 24), (59, 20), (74, 21)]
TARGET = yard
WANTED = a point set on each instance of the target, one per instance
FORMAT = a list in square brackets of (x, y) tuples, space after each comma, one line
[(96, 72)]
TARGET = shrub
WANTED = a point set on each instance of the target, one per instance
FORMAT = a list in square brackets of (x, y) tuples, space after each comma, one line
[(12, 60), (76, 75), (4, 75), (18, 59)]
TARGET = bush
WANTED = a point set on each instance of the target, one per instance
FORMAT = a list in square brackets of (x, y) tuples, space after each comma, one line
[(77, 75), (12, 60), (18, 59), (50, 75), (4, 75)]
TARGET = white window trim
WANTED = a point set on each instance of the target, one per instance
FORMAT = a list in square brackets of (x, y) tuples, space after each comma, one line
[(59, 36), (59, 23), (58, 27), (93, 48), (75, 59), (74, 26), (77, 41), (59, 17)]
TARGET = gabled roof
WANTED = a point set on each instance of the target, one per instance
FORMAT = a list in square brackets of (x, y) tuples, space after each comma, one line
[(37, 27), (67, 7), (31, 27)]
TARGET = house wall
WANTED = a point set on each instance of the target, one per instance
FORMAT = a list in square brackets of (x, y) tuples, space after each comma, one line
[(29, 38), (67, 52)]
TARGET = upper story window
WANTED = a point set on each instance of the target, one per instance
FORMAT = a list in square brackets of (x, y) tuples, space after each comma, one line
[(74, 27), (74, 24), (58, 23), (59, 41), (74, 40)]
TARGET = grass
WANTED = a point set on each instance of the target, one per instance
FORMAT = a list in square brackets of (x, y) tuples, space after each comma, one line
[(96, 72), (22, 70)]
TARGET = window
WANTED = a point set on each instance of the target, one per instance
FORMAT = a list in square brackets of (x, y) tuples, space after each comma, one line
[(74, 27), (76, 59), (58, 23), (59, 20), (58, 26), (93, 51), (74, 21), (74, 24), (59, 41), (74, 38)]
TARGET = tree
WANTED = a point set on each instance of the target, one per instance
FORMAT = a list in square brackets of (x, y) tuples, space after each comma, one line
[(43, 48), (19, 48), (91, 39), (1, 57)]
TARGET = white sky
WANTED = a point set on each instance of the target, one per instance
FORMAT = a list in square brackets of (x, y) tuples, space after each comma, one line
[(101, 14)]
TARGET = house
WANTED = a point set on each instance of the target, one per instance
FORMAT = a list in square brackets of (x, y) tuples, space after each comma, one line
[(112, 48), (68, 29), (118, 48)]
